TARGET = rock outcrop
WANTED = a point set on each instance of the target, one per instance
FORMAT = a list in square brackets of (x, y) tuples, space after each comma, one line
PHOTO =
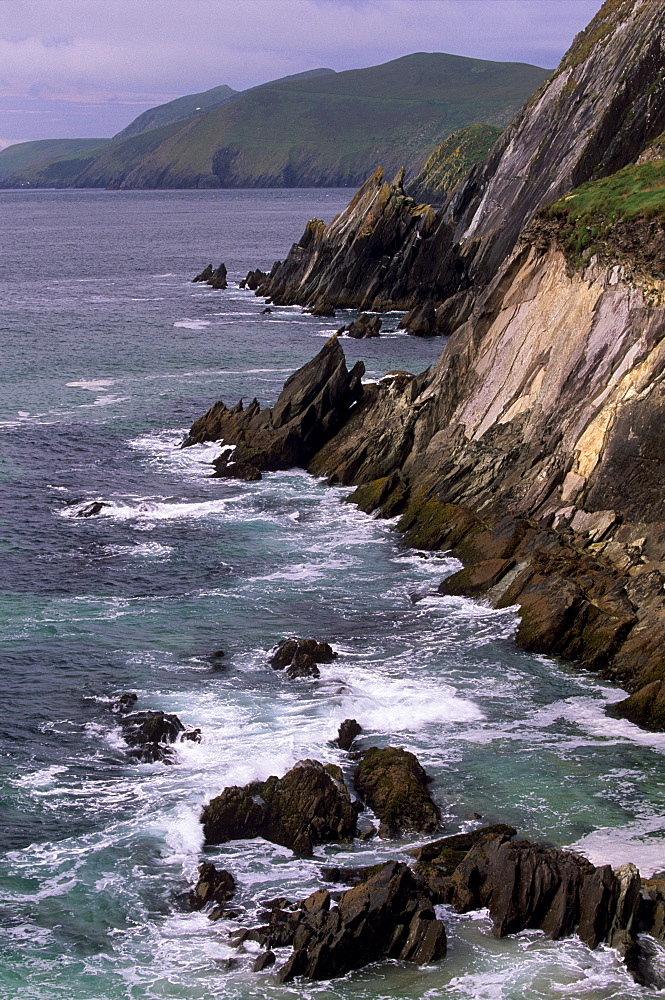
[(299, 657), (384, 251), (214, 888), (348, 731), (310, 805), (364, 326), (312, 406), (387, 916), (215, 277), (394, 785), (149, 735)]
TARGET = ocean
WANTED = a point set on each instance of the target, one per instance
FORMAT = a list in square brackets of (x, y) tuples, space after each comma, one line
[(109, 354)]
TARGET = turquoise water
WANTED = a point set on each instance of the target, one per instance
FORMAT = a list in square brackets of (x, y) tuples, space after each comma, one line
[(109, 354)]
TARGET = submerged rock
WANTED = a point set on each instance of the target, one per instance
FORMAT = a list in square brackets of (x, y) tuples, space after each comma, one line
[(149, 735), (312, 406), (309, 805), (394, 785), (92, 509), (215, 886), (386, 917)]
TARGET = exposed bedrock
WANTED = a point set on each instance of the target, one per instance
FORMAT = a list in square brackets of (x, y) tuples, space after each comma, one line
[(309, 805), (312, 406), (394, 785), (387, 916), (384, 251)]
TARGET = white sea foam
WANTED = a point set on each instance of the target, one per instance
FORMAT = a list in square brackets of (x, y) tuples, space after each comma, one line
[(151, 510), (640, 842), (192, 324), (92, 385)]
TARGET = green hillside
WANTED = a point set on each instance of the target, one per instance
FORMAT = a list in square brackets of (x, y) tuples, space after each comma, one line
[(323, 130), (24, 155), (175, 111)]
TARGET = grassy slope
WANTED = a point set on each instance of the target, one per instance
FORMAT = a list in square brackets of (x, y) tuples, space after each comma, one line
[(331, 129), (23, 155), (175, 111), (451, 161)]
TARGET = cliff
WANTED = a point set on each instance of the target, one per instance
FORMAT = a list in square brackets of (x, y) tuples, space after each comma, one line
[(597, 113)]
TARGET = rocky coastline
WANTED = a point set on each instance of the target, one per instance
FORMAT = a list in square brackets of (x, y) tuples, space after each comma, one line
[(531, 451)]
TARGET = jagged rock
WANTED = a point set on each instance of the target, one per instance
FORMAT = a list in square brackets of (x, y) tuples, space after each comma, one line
[(437, 860), (322, 309), (313, 404), (525, 885), (348, 731), (191, 735), (93, 508), (421, 321), (646, 708), (382, 252), (215, 277), (309, 805), (387, 916), (253, 279), (205, 275), (214, 886), (300, 656), (149, 733), (266, 311), (364, 326), (394, 785)]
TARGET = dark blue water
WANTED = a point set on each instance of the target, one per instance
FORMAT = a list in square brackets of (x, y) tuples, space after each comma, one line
[(109, 354)]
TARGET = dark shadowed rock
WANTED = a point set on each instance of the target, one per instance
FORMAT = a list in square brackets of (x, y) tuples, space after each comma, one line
[(387, 916), (93, 508), (263, 961), (215, 886), (309, 805), (300, 656), (348, 731), (253, 279), (364, 326), (526, 885), (215, 277), (421, 321), (149, 735), (394, 785), (125, 702), (313, 404)]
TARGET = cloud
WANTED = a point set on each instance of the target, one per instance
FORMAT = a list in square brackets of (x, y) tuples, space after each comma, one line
[(82, 51)]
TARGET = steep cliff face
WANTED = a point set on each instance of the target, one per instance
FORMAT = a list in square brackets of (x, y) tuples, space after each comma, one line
[(602, 107)]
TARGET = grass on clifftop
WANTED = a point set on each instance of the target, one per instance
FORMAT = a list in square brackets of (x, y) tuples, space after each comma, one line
[(589, 213)]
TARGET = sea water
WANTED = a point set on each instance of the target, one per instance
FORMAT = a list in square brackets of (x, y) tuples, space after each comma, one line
[(109, 354)]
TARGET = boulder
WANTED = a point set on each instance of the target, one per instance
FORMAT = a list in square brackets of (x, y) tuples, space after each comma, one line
[(646, 708), (364, 326), (313, 405), (348, 731), (149, 735), (394, 785), (309, 805), (215, 886), (300, 656), (421, 320)]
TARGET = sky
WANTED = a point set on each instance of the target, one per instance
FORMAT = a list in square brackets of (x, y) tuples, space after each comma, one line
[(86, 68)]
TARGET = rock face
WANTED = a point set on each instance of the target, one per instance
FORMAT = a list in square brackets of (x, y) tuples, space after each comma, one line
[(387, 916), (214, 886), (646, 708), (382, 252), (525, 885), (312, 406), (149, 735), (394, 785), (309, 805)]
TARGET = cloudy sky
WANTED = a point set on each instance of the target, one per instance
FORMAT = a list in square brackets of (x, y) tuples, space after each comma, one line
[(87, 67)]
